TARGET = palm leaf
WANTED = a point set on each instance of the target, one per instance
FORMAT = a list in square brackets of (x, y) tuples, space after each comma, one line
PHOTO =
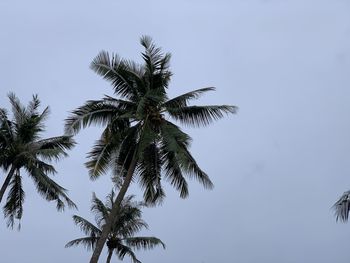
[(182, 100), (87, 242), (118, 72), (177, 143), (13, 208), (87, 227), (96, 112), (55, 147), (173, 172), (49, 189), (149, 172), (144, 242), (342, 207), (122, 250), (101, 155), (18, 110), (100, 210), (198, 116)]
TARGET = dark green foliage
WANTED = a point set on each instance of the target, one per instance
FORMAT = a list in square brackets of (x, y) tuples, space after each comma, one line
[(22, 148), (121, 238), (137, 123)]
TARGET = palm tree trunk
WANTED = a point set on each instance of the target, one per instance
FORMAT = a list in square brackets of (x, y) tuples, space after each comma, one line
[(110, 252), (114, 212), (7, 182)]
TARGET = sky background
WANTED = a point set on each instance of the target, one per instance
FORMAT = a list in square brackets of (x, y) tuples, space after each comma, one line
[(278, 165)]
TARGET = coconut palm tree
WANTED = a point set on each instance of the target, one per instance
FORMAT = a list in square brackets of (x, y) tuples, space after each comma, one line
[(139, 140), (22, 148), (342, 207), (121, 238)]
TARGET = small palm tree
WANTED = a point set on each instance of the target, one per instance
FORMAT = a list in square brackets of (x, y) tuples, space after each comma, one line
[(139, 140), (342, 207), (121, 239), (21, 148)]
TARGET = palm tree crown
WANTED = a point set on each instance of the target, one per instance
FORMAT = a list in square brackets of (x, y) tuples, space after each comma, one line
[(139, 141), (138, 126), (21, 146), (121, 238)]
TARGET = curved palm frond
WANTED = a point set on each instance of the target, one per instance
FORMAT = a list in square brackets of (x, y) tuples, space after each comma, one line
[(149, 172), (13, 208), (182, 100), (87, 242), (54, 148), (144, 242), (173, 172), (97, 112), (101, 155), (18, 110), (122, 250), (197, 116), (100, 210), (131, 227), (118, 72), (87, 227), (342, 207), (50, 190), (178, 145)]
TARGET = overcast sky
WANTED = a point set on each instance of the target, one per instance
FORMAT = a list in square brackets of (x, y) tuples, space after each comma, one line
[(278, 165)]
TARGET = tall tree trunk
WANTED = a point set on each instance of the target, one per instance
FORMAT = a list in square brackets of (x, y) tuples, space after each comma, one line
[(114, 212), (110, 252), (7, 182)]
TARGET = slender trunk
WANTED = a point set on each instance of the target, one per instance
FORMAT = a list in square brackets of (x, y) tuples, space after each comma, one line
[(110, 252), (7, 182), (114, 212)]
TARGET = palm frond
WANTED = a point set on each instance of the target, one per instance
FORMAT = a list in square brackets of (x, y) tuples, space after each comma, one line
[(55, 147), (34, 105), (87, 242), (93, 112), (173, 172), (123, 77), (193, 170), (149, 172), (130, 228), (40, 165), (182, 100), (144, 242), (87, 227), (102, 153), (6, 131), (18, 110), (177, 144), (342, 207), (127, 149), (197, 116), (50, 190), (100, 210), (42, 118), (155, 60), (122, 250), (13, 208)]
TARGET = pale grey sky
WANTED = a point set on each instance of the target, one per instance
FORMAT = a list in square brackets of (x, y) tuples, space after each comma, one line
[(278, 166)]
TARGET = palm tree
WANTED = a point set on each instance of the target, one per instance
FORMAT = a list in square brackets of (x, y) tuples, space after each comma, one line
[(139, 140), (21, 147), (342, 207), (121, 239)]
